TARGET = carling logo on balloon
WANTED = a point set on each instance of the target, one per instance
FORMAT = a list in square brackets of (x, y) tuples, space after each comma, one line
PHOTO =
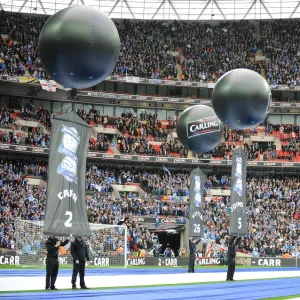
[(203, 126)]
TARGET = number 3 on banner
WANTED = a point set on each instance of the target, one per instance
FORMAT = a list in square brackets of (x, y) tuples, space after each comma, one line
[(197, 228), (239, 223), (68, 223)]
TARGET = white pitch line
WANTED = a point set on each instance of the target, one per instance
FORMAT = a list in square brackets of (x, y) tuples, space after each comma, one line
[(38, 283)]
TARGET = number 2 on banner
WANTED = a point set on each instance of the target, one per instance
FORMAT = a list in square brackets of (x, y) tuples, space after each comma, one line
[(239, 223), (68, 223), (197, 228)]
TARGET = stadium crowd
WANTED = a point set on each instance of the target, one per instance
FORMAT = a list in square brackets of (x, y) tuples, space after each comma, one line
[(272, 207), (157, 49), (280, 43), (147, 135)]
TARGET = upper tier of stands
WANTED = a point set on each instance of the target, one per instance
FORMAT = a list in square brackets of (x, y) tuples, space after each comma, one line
[(195, 51)]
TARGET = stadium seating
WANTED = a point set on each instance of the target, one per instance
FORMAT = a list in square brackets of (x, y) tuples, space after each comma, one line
[(268, 198), (147, 137), (155, 49)]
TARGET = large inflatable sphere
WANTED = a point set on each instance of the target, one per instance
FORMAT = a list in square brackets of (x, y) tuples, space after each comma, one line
[(79, 46), (241, 98), (199, 129)]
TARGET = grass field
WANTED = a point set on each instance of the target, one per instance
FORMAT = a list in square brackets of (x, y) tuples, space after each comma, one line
[(284, 298)]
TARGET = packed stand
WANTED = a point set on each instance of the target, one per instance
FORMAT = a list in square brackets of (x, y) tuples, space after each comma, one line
[(133, 131), (18, 199), (150, 136), (273, 218), (290, 142), (18, 45), (147, 48), (142, 146), (272, 207), (222, 47), (232, 138), (6, 118), (280, 42)]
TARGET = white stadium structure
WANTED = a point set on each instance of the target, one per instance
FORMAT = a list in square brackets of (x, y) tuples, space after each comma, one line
[(168, 9)]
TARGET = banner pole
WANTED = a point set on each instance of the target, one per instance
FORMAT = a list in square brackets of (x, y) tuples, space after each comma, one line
[(125, 248), (73, 98)]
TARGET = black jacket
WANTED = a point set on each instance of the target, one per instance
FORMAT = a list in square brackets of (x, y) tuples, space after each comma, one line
[(231, 251), (52, 251), (232, 248), (193, 247), (79, 250)]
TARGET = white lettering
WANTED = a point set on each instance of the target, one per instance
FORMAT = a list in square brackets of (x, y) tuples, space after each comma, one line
[(67, 194), (207, 261), (101, 261), (10, 260), (269, 262), (203, 126), (136, 262), (236, 205), (277, 262), (171, 262)]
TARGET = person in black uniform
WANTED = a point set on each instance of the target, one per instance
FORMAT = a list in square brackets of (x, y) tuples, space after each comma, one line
[(231, 255), (52, 265), (192, 244), (80, 255)]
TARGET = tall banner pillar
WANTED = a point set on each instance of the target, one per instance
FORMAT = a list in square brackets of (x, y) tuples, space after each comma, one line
[(66, 211), (197, 179), (238, 216)]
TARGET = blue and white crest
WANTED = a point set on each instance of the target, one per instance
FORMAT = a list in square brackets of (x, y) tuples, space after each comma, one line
[(70, 142), (197, 190), (238, 185), (69, 147)]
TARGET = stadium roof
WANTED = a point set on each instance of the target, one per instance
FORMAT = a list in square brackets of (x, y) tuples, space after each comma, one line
[(168, 9)]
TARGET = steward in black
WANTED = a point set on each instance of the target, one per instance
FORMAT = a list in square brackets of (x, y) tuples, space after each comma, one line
[(52, 265), (193, 248), (231, 255), (80, 255)]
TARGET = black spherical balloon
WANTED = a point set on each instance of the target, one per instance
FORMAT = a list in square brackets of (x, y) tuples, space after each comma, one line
[(241, 98), (79, 46), (199, 129)]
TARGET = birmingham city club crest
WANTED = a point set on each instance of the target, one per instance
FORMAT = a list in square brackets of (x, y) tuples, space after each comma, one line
[(197, 190), (69, 147), (238, 186)]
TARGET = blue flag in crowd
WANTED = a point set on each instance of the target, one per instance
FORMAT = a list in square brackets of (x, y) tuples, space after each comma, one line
[(166, 170)]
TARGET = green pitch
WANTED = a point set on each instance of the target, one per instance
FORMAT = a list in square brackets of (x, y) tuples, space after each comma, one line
[(283, 298)]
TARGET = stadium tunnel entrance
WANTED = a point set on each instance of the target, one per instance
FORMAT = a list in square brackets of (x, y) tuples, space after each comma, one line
[(169, 239)]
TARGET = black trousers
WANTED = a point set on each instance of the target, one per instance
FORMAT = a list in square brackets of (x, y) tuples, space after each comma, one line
[(51, 271), (192, 263), (230, 271), (222, 261), (78, 268)]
